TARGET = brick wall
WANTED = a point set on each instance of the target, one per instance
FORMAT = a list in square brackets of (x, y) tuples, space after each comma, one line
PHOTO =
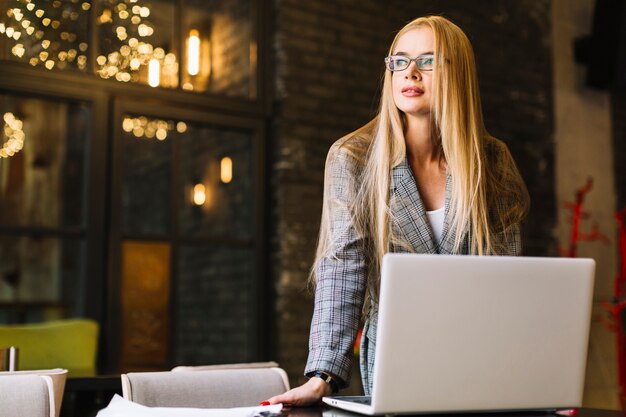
[(328, 66), (231, 32), (618, 116), (213, 294), (213, 318)]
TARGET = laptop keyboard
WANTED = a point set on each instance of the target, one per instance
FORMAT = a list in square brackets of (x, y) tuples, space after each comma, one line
[(359, 399)]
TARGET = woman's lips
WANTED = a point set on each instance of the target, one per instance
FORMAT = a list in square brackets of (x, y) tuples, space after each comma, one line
[(412, 91)]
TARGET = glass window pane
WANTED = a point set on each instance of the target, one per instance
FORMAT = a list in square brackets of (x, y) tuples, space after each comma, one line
[(221, 47), (145, 296), (214, 299), (44, 146), (147, 152), (50, 34), (137, 42), (217, 173), (40, 278)]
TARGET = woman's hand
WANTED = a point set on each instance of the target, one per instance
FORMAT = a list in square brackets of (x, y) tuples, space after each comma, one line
[(309, 393)]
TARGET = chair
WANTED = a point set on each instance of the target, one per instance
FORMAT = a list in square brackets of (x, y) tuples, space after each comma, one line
[(216, 388), (70, 344), (37, 393), (246, 365)]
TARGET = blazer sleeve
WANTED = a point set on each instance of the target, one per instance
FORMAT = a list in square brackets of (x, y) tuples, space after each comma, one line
[(341, 274), (511, 241), (511, 192), (508, 240)]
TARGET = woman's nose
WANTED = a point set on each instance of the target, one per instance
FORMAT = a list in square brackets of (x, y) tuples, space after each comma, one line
[(413, 72)]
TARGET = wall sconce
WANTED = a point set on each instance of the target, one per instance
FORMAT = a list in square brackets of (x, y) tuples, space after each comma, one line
[(198, 56), (193, 52), (154, 73), (226, 170), (199, 194)]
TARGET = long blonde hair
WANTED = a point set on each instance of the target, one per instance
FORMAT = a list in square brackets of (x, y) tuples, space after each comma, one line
[(482, 170)]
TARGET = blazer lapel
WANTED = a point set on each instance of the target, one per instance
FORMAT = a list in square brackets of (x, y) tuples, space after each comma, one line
[(408, 209), (448, 235)]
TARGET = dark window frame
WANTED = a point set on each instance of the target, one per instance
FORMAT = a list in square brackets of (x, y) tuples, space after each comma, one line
[(259, 283)]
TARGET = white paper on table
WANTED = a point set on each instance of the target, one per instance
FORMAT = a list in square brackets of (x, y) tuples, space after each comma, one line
[(119, 407)]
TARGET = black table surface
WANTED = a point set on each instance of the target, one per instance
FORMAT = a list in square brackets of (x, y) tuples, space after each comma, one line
[(333, 412), (111, 384), (94, 383), (85, 396)]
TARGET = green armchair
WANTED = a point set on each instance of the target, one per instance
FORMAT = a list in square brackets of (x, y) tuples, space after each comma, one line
[(71, 344)]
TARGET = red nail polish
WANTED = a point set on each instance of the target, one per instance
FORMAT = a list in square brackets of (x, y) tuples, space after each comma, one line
[(265, 403)]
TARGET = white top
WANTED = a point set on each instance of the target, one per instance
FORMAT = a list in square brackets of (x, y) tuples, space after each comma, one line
[(435, 218)]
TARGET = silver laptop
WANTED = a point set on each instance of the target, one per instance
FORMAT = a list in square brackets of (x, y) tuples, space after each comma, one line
[(469, 333)]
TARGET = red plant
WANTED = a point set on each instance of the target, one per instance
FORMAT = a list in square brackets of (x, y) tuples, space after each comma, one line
[(616, 308), (577, 216)]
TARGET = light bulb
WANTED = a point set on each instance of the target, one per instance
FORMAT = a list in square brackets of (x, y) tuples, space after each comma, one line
[(193, 53), (154, 73), (226, 170)]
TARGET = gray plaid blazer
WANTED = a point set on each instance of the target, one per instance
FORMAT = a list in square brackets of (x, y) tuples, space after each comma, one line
[(342, 274)]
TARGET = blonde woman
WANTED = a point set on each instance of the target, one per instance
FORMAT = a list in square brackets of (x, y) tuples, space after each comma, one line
[(424, 176)]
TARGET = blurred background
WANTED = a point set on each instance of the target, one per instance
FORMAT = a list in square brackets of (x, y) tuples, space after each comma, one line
[(161, 164)]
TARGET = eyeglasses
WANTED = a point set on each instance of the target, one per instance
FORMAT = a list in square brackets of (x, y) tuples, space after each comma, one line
[(402, 62)]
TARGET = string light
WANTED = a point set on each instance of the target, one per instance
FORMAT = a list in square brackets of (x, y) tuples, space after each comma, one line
[(28, 20), (135, 52), (151, 128), (13, 134), (24, 19)]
